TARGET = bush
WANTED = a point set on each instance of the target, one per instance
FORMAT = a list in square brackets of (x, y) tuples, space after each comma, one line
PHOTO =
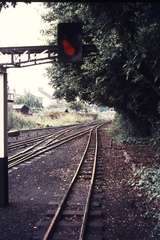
[(19, 121), (123, 131), (148, 180)]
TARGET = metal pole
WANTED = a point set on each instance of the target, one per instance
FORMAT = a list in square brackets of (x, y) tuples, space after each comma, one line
[(3, 139)]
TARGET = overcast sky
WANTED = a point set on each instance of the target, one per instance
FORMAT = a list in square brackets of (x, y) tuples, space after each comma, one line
[(20, 26)]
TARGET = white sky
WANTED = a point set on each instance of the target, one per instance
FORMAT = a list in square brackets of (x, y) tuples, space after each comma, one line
[(20, 26)]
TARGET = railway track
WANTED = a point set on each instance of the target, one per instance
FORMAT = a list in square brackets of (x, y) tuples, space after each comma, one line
[(42, 146), (75, 216), (19, 144), (30, 141)]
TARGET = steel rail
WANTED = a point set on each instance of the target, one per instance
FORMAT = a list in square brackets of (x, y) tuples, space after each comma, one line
[(40, 151), (39, 139), (34, 139), (36, 129), (85, 216), (50, 230), (60, 133), (27, 141), (54, 136)]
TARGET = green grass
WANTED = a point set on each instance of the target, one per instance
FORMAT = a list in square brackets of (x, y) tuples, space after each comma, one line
[(123, 132), (148, 180)]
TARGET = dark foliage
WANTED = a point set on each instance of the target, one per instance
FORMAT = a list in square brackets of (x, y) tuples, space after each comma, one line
[(126, 72), (6, 4)]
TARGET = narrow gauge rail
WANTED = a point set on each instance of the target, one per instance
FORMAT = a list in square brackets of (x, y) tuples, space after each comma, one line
[(29, 141), (78, 194), (28, 133), (37, 150)]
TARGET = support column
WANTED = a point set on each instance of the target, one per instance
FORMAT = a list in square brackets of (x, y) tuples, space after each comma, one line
[(3, 138)]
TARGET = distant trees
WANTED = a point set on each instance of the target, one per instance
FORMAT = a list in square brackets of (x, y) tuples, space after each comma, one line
[(126, 73), (30, 100), (77, 106), (6, 4)]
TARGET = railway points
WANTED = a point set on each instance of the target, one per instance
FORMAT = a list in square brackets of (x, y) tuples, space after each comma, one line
[(38, 187)]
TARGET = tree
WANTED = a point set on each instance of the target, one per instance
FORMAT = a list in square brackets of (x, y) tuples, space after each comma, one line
[(30, 100), (77, 106), (6, 4), (126, 73)]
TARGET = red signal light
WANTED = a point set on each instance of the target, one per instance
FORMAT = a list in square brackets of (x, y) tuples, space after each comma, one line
[(69, 36), (68, 48)]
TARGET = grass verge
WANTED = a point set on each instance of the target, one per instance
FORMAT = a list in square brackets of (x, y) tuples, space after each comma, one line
[(20, 121), (148, 180)]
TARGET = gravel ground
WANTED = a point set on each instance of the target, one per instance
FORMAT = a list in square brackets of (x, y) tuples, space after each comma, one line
[(34, 186), (32, 133), (25, 134), (124, 207)]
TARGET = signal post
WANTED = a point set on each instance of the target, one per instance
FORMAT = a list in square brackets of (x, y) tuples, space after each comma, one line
[(3, 139)]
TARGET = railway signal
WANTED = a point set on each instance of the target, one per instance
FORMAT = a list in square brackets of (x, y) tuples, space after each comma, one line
[(70, 42), (70, 50)]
